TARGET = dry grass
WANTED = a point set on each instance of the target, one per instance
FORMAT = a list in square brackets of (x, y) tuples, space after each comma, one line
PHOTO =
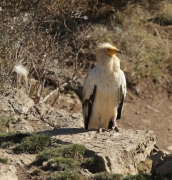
[(147, 46), (58, 38)]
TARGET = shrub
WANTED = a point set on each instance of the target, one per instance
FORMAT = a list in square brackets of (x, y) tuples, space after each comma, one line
[(75, 151), (33, 143), (4, 122), (36, 172), (139, 177), (107, 176), (10, 139), (3, 160), (92, 164), (66, 175), (62, 164)]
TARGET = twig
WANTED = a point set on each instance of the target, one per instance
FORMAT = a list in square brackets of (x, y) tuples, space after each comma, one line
[(66, 26), (76, 59), (34, 66), (50, 94)]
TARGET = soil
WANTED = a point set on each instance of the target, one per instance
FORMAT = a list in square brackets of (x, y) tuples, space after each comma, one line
[(152, 113)]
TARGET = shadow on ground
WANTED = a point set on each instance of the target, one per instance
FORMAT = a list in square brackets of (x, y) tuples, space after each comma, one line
[(64, 131)]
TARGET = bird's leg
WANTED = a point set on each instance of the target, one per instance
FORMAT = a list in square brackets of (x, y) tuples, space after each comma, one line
[(100, 125), (115, 126)]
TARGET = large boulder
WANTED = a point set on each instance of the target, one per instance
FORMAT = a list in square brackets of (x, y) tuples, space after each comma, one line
[(28, 116), (116, 152), (15, 102), (17, 159), (57, 118)]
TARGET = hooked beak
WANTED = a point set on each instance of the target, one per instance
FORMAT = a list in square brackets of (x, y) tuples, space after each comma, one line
[(120, 52), (112, 51)]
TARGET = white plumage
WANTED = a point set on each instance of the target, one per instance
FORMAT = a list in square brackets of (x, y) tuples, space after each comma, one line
[(21, 70), (104, 90)]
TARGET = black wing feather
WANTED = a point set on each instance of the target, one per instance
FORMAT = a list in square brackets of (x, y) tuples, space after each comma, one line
[(89, 103), (119, 109)]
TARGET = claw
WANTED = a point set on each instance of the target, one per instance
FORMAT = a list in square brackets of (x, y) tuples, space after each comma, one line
[(116, 128), (101, 130)]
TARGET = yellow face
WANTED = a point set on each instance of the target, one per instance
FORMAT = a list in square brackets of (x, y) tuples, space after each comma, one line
[(111, 50)]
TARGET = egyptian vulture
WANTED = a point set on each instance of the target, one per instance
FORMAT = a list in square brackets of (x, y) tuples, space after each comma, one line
[(104, 90)]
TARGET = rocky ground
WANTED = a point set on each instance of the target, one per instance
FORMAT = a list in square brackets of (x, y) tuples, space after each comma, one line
[(115, 152)]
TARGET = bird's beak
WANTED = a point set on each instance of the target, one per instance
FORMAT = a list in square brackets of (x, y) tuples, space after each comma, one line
[(120, 52), (112, 51)]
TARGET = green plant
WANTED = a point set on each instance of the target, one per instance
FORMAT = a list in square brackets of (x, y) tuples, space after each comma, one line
[(92, 164), (4, 160), (62, 164), (10, 139), (139, 176), (88, 163), (47, 154), (4, 122), (33, 143), (107, 176), (66, 175), (75, 151), (36, 172)]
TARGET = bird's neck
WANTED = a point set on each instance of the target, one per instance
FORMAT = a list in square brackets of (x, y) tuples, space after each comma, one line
[(116, 63), (110, 65)]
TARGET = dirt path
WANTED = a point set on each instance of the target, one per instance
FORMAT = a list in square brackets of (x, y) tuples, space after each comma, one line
[(153, 114)]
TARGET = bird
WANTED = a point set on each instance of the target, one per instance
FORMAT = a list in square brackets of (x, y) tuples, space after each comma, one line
[(104, 90)]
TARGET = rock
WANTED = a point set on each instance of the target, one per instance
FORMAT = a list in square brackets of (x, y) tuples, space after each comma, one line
[(76, 115), (21, 126), (58, 118), (8, 172), (86, 173), (116, 152), (17, 159), (43, 108), (162, 163), (69, 102), (15, 102)]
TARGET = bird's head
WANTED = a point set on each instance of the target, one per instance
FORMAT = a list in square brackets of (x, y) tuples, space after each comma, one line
[(107, 49)]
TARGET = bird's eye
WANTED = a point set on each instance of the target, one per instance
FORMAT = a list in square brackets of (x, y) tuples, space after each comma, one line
[(108, 49)]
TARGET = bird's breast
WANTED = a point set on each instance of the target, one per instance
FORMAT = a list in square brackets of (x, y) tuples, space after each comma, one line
[(109, 82)]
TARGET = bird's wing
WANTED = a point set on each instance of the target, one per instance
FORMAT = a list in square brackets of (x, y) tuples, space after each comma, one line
[(121, 93), (88, 94), (121, 96)]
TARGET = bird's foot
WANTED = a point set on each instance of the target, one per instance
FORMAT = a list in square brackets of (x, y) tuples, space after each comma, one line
[(101, 130), (116, 128)]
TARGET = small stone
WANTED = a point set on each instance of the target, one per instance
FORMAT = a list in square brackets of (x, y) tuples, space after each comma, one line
[(75, 115), (44, 164)]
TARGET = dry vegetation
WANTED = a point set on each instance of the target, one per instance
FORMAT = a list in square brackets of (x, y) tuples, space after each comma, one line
[(55, 40)]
